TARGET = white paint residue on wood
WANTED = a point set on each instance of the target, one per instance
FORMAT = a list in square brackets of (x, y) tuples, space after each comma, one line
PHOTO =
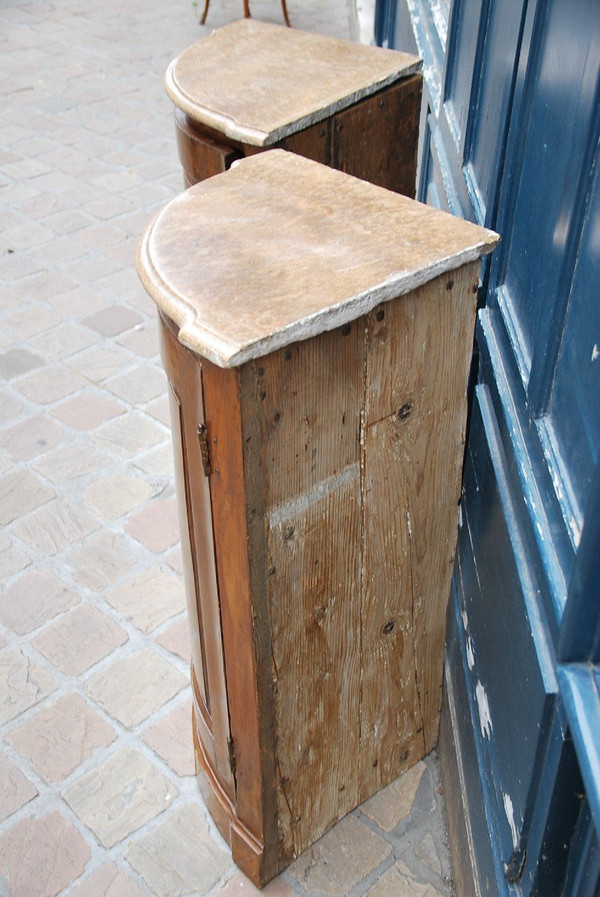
[(510, 815), (595, 352), (470, 654), (485, 719)]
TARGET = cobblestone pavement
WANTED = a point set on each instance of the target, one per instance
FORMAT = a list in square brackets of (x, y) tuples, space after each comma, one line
[(97, 794)]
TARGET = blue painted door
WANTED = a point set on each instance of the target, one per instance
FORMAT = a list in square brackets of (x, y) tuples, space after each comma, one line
[(510, 138)]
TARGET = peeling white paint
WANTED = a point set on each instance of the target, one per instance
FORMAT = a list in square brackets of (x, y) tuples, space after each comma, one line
[(595, 353), (575, 531), (470, 653), (408, 523), (485, 719), (465, 620), (460, 520), (510, 815)]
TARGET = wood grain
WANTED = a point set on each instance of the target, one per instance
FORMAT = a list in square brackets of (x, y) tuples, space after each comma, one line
[(418, 357), (252, 744), (194, 507), (377, 139), (201, 155)]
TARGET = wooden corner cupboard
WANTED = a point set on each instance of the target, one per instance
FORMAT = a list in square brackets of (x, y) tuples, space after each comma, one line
[(317, 335), (251, 86)]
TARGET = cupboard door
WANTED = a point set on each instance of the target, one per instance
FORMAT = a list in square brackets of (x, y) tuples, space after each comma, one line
[(197, 545), (201, 157)]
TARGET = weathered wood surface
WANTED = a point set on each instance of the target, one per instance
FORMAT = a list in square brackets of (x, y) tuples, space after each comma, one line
[(258, 83), (418, 357), (280, 248), (377, 139), (201, 155), (195, 523), (308, 402)]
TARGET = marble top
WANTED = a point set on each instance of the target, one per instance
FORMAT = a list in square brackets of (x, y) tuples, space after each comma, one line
[(258, 83), (280, 248)]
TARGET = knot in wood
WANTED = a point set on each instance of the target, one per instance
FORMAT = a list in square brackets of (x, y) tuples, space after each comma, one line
[(388, 627), (405, 411)]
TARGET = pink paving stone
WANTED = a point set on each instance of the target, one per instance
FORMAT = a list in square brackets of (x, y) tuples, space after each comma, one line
[(156, 526), (58, 739), (171, 738), (107, 881), (175, 560), (31, 437), (50, 844), (15, 789), (33, 599), (176, 639), (86, 412), (112, 320), (79, 640)]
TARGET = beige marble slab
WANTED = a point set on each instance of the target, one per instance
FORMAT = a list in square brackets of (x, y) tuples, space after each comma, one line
[(281, 248), (258, 83)]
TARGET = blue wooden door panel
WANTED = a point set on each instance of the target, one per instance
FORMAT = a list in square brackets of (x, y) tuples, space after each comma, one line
[(491, 100), (511, 140), (506, 644), (549, 145)]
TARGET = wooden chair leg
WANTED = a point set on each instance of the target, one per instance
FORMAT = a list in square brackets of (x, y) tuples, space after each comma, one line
[(205, 13), (285, 13), (246, 9)]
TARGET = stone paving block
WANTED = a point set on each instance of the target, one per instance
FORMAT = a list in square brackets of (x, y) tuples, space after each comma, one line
[(61, 341), (59, 738), (100, 236), (430, 855), (143, 340), (391, 805), (12, 558), (101, 560), (240, 886), (86, 411), (156, 526), (176, 639), (22, 684), (50, 384), (101, 362), (112, 496), (40, 857), (68, 221), (21, 492), (29, 321), (16, 362), (179, 857), (10, 408), (28, 236), (132, 688), (79, 640), (149, 598), (159, 409), (15, 789), (140, 386), (78, 301), (33, 599), (31, 437), (112, 320), (129, 434), (107, 881), (399, 882), (158, 462), (76, 459), (119, 796), (340, 859), (55, 526), (171, 738)]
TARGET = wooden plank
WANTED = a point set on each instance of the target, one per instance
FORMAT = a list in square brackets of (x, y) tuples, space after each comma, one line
[(312, 143), (377, 139), (252, 747), (309, 398), (314, 591), (418, 359), (195, 525)]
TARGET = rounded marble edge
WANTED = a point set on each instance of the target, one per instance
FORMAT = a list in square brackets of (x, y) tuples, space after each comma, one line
[(237, 130), (202, 340)]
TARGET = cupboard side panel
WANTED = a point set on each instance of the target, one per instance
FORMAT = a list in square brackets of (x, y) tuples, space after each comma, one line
[(418, 359)]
